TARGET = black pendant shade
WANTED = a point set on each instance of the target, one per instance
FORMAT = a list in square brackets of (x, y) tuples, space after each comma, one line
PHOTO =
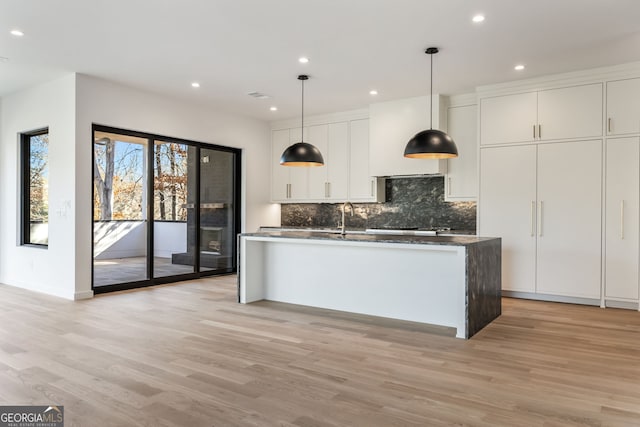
[(302, 153), (431, 143)]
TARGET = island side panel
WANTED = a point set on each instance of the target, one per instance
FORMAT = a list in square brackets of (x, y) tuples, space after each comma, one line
[(251, 266), (484, 284), (420, 283)]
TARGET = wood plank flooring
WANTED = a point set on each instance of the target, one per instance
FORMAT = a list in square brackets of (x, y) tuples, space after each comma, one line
[(189, 355)]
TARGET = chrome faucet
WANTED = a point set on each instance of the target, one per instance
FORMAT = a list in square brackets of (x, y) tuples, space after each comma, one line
[(344, 207)]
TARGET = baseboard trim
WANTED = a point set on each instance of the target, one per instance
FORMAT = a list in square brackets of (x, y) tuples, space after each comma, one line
[(630, 305), (82, 295), (551, 298)]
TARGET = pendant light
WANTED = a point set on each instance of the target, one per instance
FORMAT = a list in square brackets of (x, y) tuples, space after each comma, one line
[(431, 143), (302, 153)]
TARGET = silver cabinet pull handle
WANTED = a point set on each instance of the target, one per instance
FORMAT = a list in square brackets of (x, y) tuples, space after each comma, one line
[(373, 181), (532, 214), (609, 125), (534, 131), (539, 131), (288, 191), (622, 220), (449, 188), (540, 219)]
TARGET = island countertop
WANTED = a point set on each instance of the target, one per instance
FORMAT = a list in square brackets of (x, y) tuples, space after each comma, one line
[(447, 240)]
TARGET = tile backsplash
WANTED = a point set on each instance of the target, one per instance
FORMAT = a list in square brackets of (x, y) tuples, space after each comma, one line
[(410, 202)]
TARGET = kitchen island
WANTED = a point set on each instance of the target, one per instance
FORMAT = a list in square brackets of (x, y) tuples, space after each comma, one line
[(451, 281)]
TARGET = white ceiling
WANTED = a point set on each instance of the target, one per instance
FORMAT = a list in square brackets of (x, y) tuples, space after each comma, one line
[(233, 47)]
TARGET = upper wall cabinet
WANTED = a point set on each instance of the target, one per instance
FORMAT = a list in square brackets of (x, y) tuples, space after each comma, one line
[(362, 186), (623, 107), (462, 171), (287, 183), (392, 125), (345, 175), (329, 182), (570, 112), (508, 118)]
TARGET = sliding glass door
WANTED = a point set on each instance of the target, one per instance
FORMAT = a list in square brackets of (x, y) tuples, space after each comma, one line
[(163, 209), (173, 198), (120, 218), (217, 210)]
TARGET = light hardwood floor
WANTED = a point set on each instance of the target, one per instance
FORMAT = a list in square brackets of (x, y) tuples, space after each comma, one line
[(189, 355)]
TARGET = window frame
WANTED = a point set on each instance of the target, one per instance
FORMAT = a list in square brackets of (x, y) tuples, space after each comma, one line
[(25, 188)]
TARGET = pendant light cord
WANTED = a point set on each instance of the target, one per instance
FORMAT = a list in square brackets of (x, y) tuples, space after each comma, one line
[(431, 97), (302, 128)]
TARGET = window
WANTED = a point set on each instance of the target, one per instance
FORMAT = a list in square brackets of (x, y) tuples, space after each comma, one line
[(34, 149)]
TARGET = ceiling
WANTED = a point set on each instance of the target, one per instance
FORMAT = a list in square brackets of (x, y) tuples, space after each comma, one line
[(233, 47)]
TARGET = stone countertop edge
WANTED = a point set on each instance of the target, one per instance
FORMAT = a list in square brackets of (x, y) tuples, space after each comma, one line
[(375, 238)]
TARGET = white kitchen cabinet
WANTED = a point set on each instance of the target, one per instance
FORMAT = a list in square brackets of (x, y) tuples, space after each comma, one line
[(392, 125), (623, 107), (298, 176), (622, 216), (462, 172), (570, 112), (330, 183), (545, 202), (507, 209), (319, 136), (338, 161), (279, 174), (362, 186), (569, 219), (345, 175), (508, 118), (563, 113), (288, 183)]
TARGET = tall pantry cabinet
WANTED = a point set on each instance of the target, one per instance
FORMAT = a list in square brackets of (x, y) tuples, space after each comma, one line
[(621, 212), (560, 183), (544, 201)]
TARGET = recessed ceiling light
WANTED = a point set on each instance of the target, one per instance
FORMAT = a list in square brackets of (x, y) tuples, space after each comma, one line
[(17, 33), (195, 84), (373, 92), (519, 67), (478, 18), (273, 108), (303, 60)]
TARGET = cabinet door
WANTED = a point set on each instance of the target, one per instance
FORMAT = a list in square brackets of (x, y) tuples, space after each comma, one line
[(572, 112), (507, 200), (298, 176), (569, 219), (279, 174), (462, 172), (621, 244), (338, 163), (361, 184), (623, 107), (318, 136), (509, 118)]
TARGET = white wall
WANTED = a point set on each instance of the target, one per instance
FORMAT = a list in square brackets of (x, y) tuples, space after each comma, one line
[(169, 238), (119, 239), (49, 270), (107, 103), (68, 106)]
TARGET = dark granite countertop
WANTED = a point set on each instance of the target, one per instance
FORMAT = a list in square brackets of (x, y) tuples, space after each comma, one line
[(447, 240)]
